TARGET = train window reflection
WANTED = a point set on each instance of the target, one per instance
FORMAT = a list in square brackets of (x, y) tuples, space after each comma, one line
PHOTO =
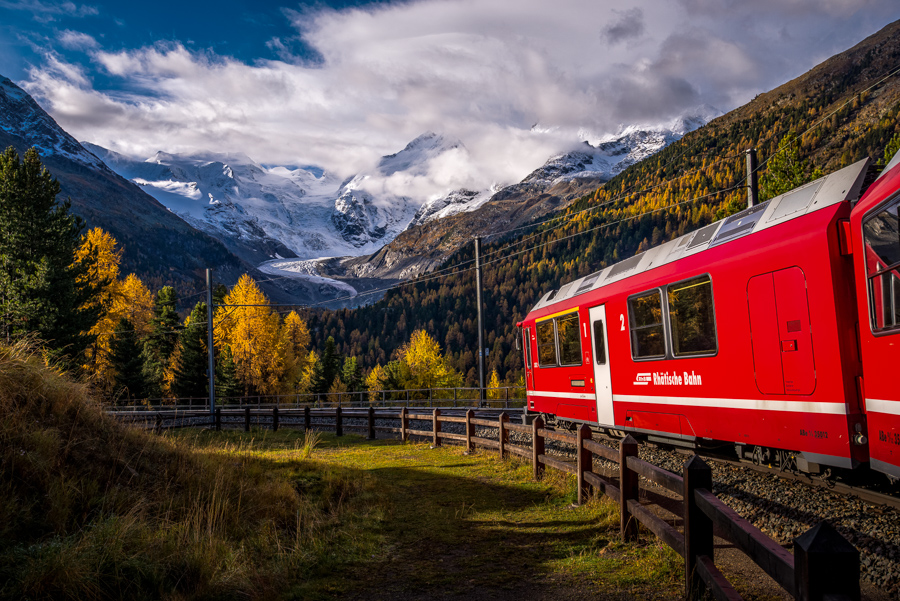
[(599, 344), (882, 235), (691, 317), (885, 298), (569, 339), (645, 315), (546, 342)]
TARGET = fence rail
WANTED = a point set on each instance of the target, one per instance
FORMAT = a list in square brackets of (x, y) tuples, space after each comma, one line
[(824, 565), (507, 397)]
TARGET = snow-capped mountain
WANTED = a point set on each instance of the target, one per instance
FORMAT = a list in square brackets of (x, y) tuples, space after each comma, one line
[(609, 155), (155, 242), (281, 214), (20, 115), (285, 212)]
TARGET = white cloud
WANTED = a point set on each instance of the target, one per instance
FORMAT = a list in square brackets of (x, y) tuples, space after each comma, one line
[(75, 40), (483, 71), (49, 11)]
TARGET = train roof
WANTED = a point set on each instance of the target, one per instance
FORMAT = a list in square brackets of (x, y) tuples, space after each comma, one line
[(832, 189)]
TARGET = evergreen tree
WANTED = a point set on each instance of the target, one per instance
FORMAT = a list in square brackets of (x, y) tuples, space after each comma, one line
[(191, 379), (125, 360), (162, 340), (317, 382), (331, 363), (43, 289), (351, 375), (227, 384), (891, 149), (786, 169)]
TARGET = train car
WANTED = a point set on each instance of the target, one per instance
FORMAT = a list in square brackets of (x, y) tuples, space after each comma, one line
[(740, 336), (876, 245)]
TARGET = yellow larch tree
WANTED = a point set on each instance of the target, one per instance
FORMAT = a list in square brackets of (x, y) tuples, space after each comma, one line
[(493, 391), (129, 298), (428, 367), (296, 337), (254, 333), (375, 382)]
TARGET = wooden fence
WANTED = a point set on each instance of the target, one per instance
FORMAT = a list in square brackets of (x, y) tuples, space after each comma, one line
[(824, 565), (505, 397)]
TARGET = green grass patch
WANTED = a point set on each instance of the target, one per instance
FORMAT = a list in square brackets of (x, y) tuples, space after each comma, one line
[(452, 524)]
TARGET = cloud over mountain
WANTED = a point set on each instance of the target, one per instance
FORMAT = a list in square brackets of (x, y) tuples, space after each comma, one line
[(483, 72)]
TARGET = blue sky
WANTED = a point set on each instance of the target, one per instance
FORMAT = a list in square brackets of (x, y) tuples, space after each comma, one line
[(340, 84), (242, 29)]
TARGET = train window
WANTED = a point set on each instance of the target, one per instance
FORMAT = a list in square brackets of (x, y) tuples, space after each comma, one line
[(599, 345), (881, 233), (884, 290), (691, 317), (645, 315), (569, 339), (528, 348), (546, 343)]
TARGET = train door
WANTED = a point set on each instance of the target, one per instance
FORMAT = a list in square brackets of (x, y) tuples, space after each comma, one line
[(602, 379), (526, 351), (781, 334)]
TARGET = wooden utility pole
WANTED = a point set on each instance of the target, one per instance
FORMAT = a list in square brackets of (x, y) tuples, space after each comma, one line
[(209, 343), (752, 179)]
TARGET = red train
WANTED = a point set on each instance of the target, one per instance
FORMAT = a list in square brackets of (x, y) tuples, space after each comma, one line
[(773, 331)]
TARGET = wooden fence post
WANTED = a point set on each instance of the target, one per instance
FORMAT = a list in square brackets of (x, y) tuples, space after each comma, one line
[(371, 423), (404, 423), (338, 422), (698, 528), (435, 428), (825, 565), (307, 419), (585, 463), (274, 419), (247, 418), (469, 431), (218, 419), (629, 485), (502, 434), (158, 428), (537, 447)]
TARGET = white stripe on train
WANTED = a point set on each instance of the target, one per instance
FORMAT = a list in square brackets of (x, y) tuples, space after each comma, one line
[(750, 404)]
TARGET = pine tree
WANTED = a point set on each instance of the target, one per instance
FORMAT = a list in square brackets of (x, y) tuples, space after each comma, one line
[(162, 340), (331, 363), (317, 382), (227, 385), (43, 289), (786, 169), (191, 379), (891, 149), (126, 363), (351, 375)]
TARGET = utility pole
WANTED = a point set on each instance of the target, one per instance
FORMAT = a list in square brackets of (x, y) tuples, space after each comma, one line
[(480, 321), (209, 343), (752, 180)]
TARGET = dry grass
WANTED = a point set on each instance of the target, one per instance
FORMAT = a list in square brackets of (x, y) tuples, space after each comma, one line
[(90, 509)]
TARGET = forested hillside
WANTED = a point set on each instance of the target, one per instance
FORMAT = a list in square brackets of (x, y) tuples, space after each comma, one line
[(841, 111)]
